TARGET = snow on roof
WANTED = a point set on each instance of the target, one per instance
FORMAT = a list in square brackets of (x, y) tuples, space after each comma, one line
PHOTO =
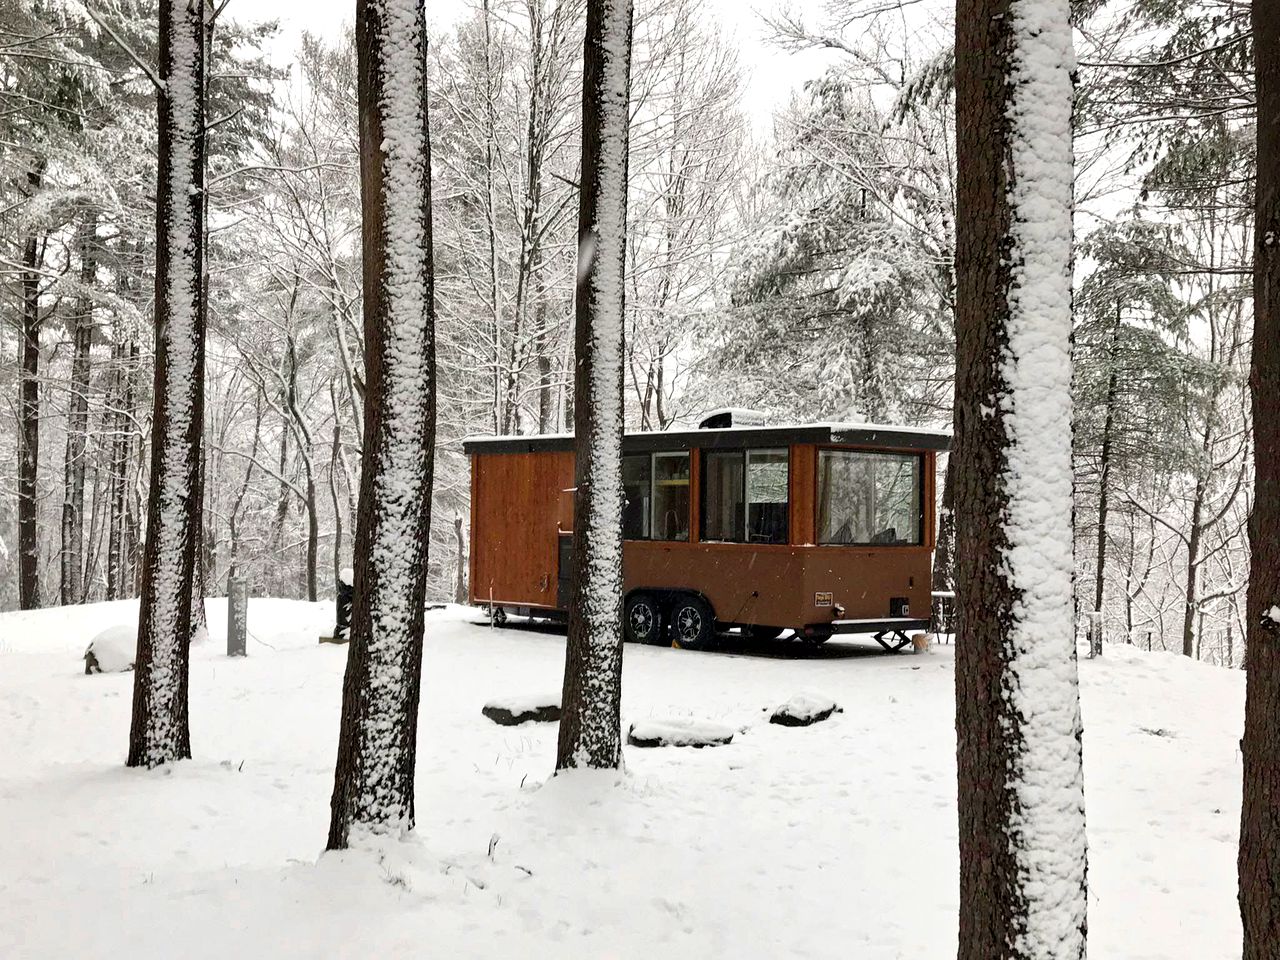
[(837, 430)]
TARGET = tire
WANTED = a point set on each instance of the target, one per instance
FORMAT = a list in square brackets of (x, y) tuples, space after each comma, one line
[(762, 633), (643, 620), (693, 623), (815, 639)]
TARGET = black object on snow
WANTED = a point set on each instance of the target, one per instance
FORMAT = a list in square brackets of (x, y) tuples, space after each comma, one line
[(345, 592), (513, 717)]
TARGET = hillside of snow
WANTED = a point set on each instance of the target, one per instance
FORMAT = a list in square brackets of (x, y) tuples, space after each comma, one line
[(831, 841)]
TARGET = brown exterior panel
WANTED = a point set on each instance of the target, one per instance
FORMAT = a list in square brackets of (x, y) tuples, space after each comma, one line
[(776, 585)]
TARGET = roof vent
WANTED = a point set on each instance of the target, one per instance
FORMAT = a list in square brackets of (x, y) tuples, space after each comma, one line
[(731, 417)]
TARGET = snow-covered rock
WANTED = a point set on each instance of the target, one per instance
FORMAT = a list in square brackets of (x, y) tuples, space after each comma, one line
[(678, 733), (804, 709), (512, 711), (112, 650)]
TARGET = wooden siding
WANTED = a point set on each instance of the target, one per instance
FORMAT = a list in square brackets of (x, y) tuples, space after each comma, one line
[(516, 500)]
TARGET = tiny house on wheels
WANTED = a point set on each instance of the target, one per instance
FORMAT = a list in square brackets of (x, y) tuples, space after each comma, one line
[(820, 529)]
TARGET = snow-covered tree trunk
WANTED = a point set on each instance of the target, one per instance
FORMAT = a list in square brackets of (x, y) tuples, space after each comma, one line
[(159, 733), (72, 560), (373, 782), (121, 426), (1021, 796), (1260, 816), (590, 734), (29, 415)]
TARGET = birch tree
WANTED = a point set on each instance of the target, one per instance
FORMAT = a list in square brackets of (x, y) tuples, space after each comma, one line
[(590, 734), (373, 780), (1021, 797), (1260, 816), (159, 733)]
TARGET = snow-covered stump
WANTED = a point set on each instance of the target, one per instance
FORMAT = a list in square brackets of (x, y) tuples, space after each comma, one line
[(111, 651), (237, 617), (159, 732), (803, 710), (513, 711), (373, 776), (1020, 781), (679, 733), (590, 728)]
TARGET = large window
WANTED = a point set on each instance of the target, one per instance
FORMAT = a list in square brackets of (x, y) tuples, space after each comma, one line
[(637, 489), (869, 498), (656, 487), (745, 496)]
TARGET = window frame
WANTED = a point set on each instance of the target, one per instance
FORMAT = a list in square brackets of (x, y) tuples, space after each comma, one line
[(653, 495), (703, 488), (653, 455), (922, 538), (648, 457)]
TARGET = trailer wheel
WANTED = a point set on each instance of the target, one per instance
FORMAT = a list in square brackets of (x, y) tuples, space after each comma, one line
[(763, 633), (693, 623), (643, 623)]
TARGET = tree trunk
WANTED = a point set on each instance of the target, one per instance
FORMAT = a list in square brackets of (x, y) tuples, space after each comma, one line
[(299, 425), (1259, 861), (117, 484), (94, 540), (72, 559), (500, 416), (1020, 783), (1192, 583), (333, 494), (373, 779), (1104, 471), (199, 619), (29, 417), (159, 732), (944, 554), (460, 573), (590, 734), (233, 516)]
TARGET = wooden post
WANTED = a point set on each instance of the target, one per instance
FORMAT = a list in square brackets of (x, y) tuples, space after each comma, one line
[(1095, 633), (460, 576), (237, 616)]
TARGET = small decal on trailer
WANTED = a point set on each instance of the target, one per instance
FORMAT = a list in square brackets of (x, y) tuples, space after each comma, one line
[(823, 599)]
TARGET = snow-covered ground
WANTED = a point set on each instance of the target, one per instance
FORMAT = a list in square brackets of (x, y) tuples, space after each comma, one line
[(836, 840)]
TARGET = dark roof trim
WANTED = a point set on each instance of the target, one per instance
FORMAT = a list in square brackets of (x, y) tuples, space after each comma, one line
[(867, 436)]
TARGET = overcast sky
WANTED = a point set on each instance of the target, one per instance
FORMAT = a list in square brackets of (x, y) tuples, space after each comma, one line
[(770, 73)]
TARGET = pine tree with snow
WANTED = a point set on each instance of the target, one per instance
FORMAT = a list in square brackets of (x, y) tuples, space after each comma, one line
[(1259, 861), (1021, 796), (590, 727), (160, 732), (373, 781)]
